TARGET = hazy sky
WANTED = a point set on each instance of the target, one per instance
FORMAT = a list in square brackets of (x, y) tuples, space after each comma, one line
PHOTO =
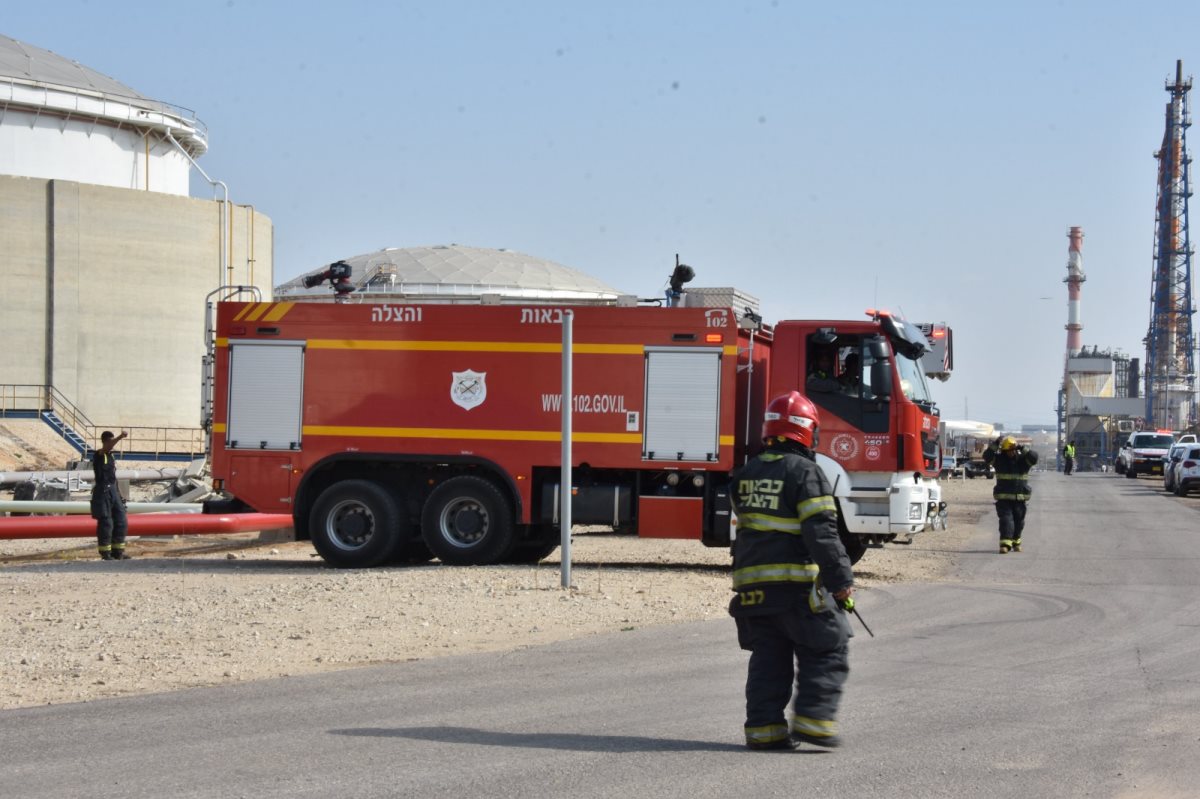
[(926, 157)]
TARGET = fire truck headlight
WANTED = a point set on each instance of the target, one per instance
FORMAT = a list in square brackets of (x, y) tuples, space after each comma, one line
[(916, 512), (698, 480), (673, 479)]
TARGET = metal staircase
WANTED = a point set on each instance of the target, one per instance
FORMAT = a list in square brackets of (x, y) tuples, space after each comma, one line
[(66, 431), (62, 416)]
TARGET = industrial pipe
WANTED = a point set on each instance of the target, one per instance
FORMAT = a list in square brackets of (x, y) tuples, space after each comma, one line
[(144, 524), (226, 213), (69, 507), (137, 475)]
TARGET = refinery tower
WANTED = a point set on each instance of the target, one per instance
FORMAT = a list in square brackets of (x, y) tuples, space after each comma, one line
[(1170, 355)]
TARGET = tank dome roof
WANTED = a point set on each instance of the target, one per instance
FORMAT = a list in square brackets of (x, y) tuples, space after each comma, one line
[(457, 273)]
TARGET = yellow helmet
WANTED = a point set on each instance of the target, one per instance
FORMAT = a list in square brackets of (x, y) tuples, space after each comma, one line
[(1007, 443)]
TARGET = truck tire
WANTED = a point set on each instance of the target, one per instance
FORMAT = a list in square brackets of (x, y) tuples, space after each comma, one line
[(855, 545), (467, 521), (355, 524)]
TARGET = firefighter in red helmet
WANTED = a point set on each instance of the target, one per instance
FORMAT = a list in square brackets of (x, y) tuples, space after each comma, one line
[(790, 576)]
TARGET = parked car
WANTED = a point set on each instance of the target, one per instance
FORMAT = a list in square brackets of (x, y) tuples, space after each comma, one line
[(974, 469), (1187, 475), (1171, 464), (951, 467), (1143, 453)]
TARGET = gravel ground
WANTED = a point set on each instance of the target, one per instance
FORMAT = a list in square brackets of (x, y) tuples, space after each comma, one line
[(195, 612)]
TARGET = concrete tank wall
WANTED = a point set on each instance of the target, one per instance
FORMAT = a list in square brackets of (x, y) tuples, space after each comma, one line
[(103, 294), (89, 151)]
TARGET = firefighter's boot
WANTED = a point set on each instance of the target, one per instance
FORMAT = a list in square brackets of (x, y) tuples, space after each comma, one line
[(1005, 547), (1016, 545), (827, 741)]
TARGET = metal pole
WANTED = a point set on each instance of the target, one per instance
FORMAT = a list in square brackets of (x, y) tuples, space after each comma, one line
[(564, 504)]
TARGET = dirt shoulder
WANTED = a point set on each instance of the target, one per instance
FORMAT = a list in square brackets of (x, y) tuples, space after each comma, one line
[(188, 613)]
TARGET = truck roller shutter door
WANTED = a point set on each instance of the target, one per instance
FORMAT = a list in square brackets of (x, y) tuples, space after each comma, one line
[(266, 383), (683, 403)]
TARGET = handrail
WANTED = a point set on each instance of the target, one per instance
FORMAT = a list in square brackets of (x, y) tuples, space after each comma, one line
[(151, 440), (141, 105)]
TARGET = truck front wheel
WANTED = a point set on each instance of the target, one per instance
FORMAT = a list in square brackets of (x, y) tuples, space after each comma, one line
[(467, 521), (855, 545), (355, 524)]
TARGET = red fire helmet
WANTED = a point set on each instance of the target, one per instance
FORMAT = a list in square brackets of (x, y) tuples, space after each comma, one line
[(793, 416)]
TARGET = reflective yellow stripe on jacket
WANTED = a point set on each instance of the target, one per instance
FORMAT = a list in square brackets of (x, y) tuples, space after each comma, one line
[(768, 524), (775, 524), (775, 573), (814, 505)]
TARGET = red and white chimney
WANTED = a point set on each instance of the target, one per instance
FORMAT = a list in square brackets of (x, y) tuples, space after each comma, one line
[(1074, 280)]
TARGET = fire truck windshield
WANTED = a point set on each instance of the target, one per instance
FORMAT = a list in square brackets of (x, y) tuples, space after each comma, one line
[(912, 380)]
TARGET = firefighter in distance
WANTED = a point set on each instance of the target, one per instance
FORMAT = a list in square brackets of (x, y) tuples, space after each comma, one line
[(1012, 464), (108, 507), (792, 579)]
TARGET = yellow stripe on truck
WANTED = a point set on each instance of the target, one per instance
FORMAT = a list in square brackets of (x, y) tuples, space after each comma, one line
[(258, 311), (278, 312), (471, 346), (494, 435), (450, 432)]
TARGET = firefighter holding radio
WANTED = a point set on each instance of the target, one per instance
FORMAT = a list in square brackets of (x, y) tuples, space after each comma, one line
[(791, 576)]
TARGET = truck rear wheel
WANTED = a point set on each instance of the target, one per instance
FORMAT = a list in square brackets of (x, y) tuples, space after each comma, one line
[(355, 524), (467, 521)]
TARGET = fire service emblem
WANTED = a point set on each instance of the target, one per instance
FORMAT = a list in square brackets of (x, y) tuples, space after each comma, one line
[(468, 389), (843, 447)]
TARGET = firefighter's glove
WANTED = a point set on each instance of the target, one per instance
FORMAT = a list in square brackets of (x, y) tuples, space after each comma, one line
[(846, 604)]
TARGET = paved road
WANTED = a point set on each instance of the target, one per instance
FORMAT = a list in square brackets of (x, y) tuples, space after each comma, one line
[(1072, 669)]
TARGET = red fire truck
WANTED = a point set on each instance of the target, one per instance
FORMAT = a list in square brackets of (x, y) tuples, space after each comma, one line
[(396, 432)]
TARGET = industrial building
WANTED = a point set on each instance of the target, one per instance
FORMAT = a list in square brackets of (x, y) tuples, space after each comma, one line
[(108, 260), (1099, 402)]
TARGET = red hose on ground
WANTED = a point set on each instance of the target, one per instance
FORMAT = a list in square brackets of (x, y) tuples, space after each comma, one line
[(143, 524)]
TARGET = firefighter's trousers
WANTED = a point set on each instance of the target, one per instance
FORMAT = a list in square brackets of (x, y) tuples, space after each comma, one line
[(1012, 518), (1068, 465), (797, 645), (108, 509)]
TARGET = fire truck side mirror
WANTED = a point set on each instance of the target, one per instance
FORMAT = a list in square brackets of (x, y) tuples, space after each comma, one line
[(881, 379)]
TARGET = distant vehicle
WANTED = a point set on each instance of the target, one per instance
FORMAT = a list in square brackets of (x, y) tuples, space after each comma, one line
[(975, 469), (1143, 453), (950, 467), (1171, 464), (1187, 474)]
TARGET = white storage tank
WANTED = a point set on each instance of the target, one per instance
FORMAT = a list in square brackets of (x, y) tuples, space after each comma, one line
[(108, 261), (62, 120)]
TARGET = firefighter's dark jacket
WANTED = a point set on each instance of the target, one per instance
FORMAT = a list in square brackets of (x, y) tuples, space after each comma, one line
[(104, 469), (787, 534), (1012, 471)]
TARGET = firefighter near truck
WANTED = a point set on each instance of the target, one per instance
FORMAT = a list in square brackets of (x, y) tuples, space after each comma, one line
[(400, 433)]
